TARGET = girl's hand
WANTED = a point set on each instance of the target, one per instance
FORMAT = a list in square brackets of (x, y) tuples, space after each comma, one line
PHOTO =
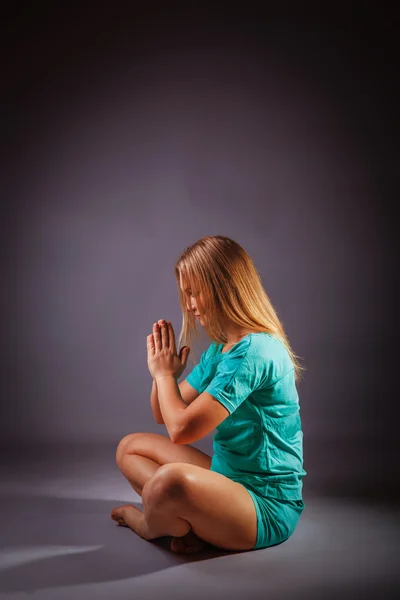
[(162, 358)]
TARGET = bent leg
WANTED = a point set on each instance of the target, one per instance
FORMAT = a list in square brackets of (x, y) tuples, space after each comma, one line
[(161, 450), (137, 470), (182, 497), (139, 455)]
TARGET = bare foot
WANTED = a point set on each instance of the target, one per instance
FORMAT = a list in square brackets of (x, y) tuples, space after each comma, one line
[(126, 516), (188, 544)]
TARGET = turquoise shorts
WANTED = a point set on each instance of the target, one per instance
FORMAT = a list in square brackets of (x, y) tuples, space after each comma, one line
[(276, 519)]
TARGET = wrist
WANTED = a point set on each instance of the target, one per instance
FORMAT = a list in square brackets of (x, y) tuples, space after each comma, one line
[(167, 376)]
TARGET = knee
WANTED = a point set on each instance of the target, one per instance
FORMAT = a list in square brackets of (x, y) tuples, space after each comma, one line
[(169, 482), (126, 446)]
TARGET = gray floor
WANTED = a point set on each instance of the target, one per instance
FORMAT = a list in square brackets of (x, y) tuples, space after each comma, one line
[(58, 542)]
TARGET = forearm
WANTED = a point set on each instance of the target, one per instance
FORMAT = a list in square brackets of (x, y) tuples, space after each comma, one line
[(155, 406), (171, 404)]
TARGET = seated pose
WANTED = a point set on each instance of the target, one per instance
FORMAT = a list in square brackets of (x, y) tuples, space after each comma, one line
[(248, 495)]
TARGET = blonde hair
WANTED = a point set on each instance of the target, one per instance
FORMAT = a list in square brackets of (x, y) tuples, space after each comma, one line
[(222, 274)]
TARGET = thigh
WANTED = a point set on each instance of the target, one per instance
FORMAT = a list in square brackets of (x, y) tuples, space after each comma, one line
[(162, 450), (220, 511)]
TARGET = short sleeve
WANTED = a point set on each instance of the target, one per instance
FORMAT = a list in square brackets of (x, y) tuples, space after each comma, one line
[(196, 374), (235, 379)]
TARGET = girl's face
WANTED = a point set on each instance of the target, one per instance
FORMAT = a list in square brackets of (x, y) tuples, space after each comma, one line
[(194, 304)]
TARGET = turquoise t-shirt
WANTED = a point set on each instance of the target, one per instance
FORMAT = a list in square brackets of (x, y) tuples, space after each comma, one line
[(260, 443)]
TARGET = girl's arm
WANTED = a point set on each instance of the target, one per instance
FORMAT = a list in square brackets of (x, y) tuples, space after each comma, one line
[(188, 395), (155, 405)]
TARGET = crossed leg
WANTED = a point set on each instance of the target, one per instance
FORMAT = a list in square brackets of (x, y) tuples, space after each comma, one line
[(139, 456), (182, 498)]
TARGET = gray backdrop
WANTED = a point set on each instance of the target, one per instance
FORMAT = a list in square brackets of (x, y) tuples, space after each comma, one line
[(123, 149)]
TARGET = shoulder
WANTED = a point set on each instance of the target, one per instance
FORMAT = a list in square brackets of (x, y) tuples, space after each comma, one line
[(267, 349), (266, 344)]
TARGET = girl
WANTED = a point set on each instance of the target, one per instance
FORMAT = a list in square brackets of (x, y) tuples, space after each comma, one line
[(248, 495)]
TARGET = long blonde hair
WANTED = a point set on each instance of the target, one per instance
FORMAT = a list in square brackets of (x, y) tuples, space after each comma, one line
[(222, 274)]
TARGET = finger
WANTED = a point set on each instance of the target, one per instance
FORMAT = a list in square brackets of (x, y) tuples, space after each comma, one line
[(150, 343), (164, 334), (157, 337), (171, 337)]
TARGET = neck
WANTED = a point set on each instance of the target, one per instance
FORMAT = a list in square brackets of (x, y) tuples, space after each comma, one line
[(234, 335)]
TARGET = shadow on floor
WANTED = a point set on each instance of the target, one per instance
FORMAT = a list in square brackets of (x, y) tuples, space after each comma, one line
[(49, 542)]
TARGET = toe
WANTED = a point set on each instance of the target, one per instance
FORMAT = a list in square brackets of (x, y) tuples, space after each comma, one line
[(118, 515), (178, 545), (120, 521)]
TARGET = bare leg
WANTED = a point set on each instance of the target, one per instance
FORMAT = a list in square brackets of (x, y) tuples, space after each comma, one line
[(182, 497), (137, 470)]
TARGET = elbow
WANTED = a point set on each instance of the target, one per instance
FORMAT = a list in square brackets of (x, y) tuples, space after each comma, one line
[(182, 436), (178, 433), (178, 436)]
